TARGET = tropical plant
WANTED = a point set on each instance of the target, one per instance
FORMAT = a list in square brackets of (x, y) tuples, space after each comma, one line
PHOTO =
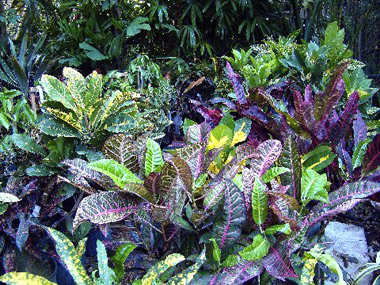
[(368, 269), (82, 109)]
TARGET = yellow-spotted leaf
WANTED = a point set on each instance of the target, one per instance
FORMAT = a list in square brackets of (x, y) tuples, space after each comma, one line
[(221, 136), (24, 278), (242, 129), (318, 158), (188, 274), (70, 257), (161, 267)]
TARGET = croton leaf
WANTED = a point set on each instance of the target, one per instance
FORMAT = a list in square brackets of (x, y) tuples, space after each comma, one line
[(17, 278), (118, 172), (227, 228), (241, 130), (140, 191), (278, 264), (69, 256), (221, 136), (285, 207), (313, 187), (257, 250), (121, 254), (153, 157), (372, 156), (8, 198), (239, 273), (156, 270), (236, 83), (197, 133), (273, 173), (259, 202), (214, 193), (28, 144), (360, 129), (266, 154), (173, 168), (152, 182), (338, 129), (119, 147), (359, 152), (318, 158), (342, 200), (188, 274), (103, 208), (106, 274), (194, 155), (290, 158)]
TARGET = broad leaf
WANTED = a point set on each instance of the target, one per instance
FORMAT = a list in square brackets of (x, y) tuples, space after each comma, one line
[(266, 154), (221, 136), (313, 187), (372, 156), (118, 172), (285, 228), (239, 273), (69, 257), (103, 208), (227, 228), (121, 254), (273, 173), (8, 198), (257, 250), (28, 144), (259, 202), (277, 263), (359, 152), (318, 158), (153, 157)]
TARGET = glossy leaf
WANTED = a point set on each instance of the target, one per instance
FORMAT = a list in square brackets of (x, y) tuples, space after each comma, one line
[(69, 257), (266, 154), (313, 187), (259, 202), (28, 144), (153, 157), (273, 173), (221, 136), (318, 158), (257, 250), (24, 278), (277, 263), (372, 156), (103, 208), (121, 254), (227, 228)]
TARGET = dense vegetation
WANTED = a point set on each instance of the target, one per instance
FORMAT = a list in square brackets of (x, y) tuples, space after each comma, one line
[(180, 142)]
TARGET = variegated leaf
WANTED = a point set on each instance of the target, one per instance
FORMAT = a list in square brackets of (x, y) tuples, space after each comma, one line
[(277, 263), (24, 278), (259, 202), (198, 133), (194, 155), (188, 274), (103, 208), (227, 228), (140, 191), (153, 157), (70, 257), (241, 272), (107, 275), (119, 147), (159, 268), (266, 154)]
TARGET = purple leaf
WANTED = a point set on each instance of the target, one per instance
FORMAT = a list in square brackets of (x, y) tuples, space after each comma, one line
[(360, 129), (227, 229), (341, 200), (240, 273), (256, 114), (236, 83), (337, 130), (277, 263), (372, 157), (224, 101)]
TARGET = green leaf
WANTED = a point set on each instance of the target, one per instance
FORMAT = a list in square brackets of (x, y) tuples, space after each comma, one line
[(241, 130), (273, 173), (160, 267), (318, 158), (41, 170), (28, 144), (286, 229), (216, 254), (24, 278), (313, 187), (92, 53), (4, 121), (70, 257), (257, 250), (221, 136), (359, 152), (136, 26), (57, 91), (121, 254), (259, 202), (3, 208), (153, 157), (107, 275), (118, 172), (81, 246), (331, 263), (56, 128), (230, 261)]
